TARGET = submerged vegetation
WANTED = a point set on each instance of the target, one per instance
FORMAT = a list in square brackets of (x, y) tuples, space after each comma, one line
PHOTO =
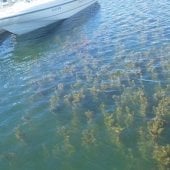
[(119, 109), (115, 112), (91, 103), (105, 111)]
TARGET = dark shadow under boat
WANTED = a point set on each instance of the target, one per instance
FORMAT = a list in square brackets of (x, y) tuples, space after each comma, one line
[(4, 36)]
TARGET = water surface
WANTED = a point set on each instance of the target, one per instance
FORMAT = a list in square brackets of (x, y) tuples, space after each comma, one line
[(89, 93)]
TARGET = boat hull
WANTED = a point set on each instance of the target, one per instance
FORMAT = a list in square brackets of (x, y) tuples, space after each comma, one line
[(28, 21)]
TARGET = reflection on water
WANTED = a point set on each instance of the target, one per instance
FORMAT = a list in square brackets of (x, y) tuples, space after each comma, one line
[(41, 40), (93, 93)]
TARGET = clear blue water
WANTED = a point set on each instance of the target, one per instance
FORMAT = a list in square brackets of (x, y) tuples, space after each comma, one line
[(90, 93)]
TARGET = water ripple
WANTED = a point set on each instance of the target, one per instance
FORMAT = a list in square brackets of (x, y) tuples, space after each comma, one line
[(61, 91)]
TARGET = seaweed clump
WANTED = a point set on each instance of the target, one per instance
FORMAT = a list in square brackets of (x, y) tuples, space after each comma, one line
[(115, 108), (162, 155)]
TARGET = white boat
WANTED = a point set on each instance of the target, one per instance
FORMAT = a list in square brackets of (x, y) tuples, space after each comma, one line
[(22, 17)]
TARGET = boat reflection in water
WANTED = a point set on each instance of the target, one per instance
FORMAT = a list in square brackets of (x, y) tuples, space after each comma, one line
[(55, 36)]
